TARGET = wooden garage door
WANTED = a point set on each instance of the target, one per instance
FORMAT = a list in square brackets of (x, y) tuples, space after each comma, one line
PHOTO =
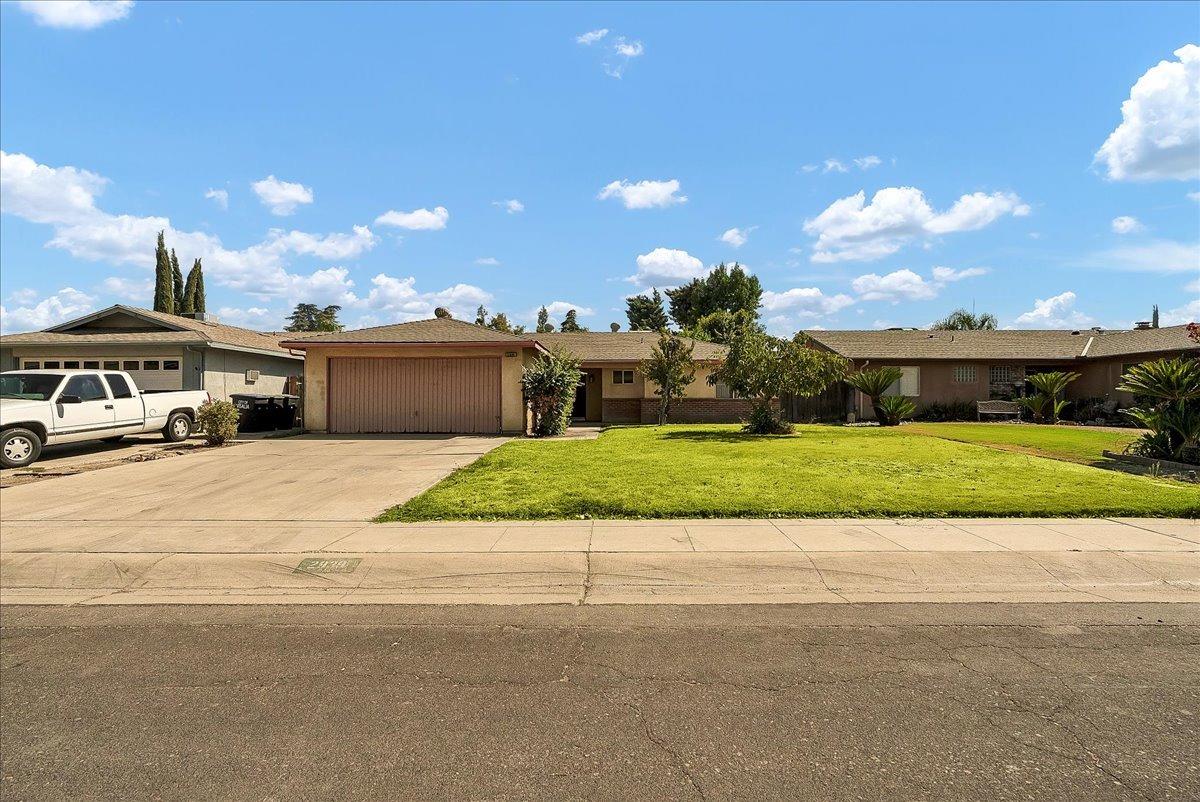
[(373, 394)]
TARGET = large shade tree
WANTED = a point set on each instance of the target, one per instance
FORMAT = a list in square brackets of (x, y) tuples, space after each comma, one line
[(645, 312), (310, 317), (729, 289)]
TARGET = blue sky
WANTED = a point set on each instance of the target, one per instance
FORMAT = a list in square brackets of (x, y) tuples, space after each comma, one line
[(392, 158)]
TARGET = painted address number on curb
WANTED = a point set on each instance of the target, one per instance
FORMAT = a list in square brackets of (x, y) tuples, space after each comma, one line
[(323, 565)]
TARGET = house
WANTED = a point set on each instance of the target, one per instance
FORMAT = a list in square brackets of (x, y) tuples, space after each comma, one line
[(446, 375), (969, 366), (160, 351)]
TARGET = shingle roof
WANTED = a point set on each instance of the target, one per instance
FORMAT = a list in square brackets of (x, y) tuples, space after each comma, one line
[(619, 346), (181, 330), (1025, 344), (435, 330)]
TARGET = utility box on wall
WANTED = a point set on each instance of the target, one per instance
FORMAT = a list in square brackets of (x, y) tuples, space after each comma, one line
[(251, 376)]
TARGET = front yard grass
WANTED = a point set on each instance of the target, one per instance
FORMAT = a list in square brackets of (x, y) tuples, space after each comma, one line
[(1082, 444), (712, 471)]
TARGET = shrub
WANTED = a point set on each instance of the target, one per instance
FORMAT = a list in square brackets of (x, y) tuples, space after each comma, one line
[(1050, 385), (938, 412), (1170, 406), (550, 382), (219, 421), (874, 383), (765, 420), (895, 408)]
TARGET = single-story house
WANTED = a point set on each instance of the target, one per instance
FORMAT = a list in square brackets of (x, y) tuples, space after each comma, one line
[(160, 351), (446, 375), (948, 366)]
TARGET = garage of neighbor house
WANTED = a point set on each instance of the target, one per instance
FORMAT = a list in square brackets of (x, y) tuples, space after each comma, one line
[(427, 376)]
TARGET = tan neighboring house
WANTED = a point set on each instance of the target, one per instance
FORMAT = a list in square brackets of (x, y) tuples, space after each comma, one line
[(160, 351), (947, 366), (445, 375)]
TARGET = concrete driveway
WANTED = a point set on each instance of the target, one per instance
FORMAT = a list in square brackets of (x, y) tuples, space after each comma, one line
[(306, 478)]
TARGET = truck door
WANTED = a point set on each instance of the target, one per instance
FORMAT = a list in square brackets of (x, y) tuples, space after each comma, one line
[(83, 410), (129, 414)]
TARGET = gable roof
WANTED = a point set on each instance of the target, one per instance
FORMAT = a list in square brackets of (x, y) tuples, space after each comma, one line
[(620, 346), (435, 331), (1004, 344), (172, 330)]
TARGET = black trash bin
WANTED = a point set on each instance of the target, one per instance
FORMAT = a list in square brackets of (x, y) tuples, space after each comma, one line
[(264, 413), (285, 407)]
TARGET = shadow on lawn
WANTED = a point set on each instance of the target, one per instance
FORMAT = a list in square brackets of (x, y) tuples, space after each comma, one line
[(696, 436)]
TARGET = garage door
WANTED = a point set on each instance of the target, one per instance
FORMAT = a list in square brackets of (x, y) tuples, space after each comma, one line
[(372, 394)]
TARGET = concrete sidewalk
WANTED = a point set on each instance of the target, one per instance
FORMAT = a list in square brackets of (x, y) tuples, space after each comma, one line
[(600, 562)]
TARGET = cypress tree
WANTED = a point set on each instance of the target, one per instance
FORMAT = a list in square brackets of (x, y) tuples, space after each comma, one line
[(189, 290), (198, 303), (164, 300), (176, 283)]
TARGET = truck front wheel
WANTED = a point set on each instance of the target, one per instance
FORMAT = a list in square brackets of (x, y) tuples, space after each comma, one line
[(19, 447), (178, 427)]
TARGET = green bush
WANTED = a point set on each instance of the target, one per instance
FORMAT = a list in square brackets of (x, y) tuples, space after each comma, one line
[(550, 382), (894, 408), (766, 420), (1050, 385), (219, 421), (1169, 393), (938, 412), (874, 383)]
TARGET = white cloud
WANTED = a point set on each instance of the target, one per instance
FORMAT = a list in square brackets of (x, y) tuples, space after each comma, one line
[(667, 267), (81, 14), (63, 305), (1194, 196), (1057, 312), (805, 302), (905, 285), (44, 194), (336, 247), (416, 220), (254, 317), (1153, 256), (281, 197), (487, 261), (623, 51), (25, 296), (834, 166), (1126, 225), (944, 275), (810, 168), (1192, 286), (644, 194), (867, 162), (140, 291), (736, 237), (591, 37), (1159, 135), (512, 205), (558, 309), (851, 229), (400, 300), (219, 197), (1188, 313), (628, 49)]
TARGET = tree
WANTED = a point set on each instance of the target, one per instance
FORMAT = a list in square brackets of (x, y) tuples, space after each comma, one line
[(193, 290), (722, 326), (874, 383), (1168, 394), (1154, 317), (725, 288), (176, 284), (645, 312), (310, 317), (571, 322), (442, 313), (481, 316), (671, 368), (962, 320), (164, 299), (543, 321), (550, 382), (761, 368)]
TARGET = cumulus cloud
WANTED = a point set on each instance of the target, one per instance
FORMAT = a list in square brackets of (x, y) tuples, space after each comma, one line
[(140, 291), (79, 14), (623, 51), (219, 197), (805, 302), (667, 267), (253, 317), (905, 285), (487, 261), (512, 205), (31, 315), (43, 194), (591, 37), (1159, 135), (1153, 256), (851, 229), (1126, 225), (397, 299), (1188, 313), (281, 197), (1056, 312), (643, 194), (736, 237), (416, 220)]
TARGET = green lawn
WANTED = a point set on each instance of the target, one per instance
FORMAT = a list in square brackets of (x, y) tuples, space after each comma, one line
[(716, 471), (1073, 443)]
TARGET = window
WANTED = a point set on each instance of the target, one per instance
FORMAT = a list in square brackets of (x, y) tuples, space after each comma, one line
[(149, 364), (170, 364), (71, 364), (909, 384), (32, 365), (91, 364), (130, 364), (964, 374), (112, 364), (87, 387), (118, 385), (29, 386), (723, 391), (1001, 374), (51, 365), (622, 377)]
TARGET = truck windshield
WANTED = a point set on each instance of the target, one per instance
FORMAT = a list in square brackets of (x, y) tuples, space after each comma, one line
[(29, 386)]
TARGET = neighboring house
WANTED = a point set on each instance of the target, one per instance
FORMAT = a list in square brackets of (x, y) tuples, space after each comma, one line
[(160, 351), (451, 376), (946, 366)]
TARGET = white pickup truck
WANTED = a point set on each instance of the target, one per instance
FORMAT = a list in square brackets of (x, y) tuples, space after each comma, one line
[(48, 407)]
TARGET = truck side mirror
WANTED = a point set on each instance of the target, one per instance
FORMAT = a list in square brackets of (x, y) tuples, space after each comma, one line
[(70, 399)]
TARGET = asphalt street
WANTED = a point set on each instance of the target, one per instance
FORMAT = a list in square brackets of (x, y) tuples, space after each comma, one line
[(864, 701)]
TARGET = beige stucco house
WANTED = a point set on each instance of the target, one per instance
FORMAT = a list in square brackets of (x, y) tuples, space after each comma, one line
[(160, 351)]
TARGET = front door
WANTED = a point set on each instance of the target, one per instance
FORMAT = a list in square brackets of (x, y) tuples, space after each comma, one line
[(579, 408), (91, 417)]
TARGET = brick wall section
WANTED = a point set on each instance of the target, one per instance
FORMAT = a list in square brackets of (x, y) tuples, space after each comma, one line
[(621, 410), (698, 410)]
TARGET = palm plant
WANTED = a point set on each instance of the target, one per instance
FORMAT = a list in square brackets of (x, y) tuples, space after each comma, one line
[(1050, 386), (962, 320), (874, 383), (1172, 386), (896, 408)]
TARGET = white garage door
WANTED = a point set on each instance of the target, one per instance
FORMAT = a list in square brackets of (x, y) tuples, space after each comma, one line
[(389, 394), (163, 372)]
